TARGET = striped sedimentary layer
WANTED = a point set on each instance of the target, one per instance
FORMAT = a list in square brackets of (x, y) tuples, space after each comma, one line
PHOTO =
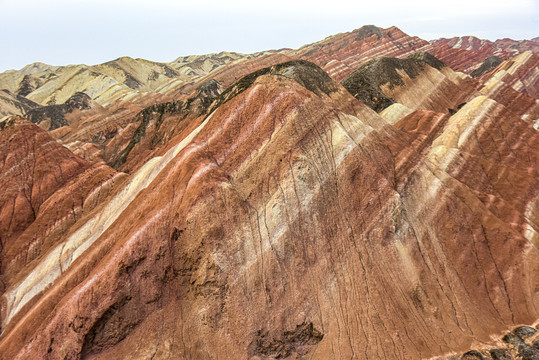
[(292, 220), (419, 81), (341, 54)]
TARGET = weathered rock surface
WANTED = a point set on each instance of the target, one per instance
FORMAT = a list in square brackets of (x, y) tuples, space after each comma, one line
[(341, 54), (467, 53), (52, 117), (45, 190), (419, 81), (489, 64), (11, 104), (269, 214)]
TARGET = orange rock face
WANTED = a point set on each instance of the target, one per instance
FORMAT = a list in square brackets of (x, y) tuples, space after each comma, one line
[(34, 167), (46, 190), (273, 215)]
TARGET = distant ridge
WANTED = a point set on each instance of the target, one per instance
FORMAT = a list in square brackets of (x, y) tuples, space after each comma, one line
[(125, 77)]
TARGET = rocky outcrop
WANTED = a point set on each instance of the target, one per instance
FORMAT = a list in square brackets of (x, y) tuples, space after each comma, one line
[(419, 81), (489, 64), (52, 117)]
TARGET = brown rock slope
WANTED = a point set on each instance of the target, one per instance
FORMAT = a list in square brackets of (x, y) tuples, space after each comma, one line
[(292, 221), (341, 54), (99, 137), (466, 53), (515, 84), (419, 81), (46, 189)]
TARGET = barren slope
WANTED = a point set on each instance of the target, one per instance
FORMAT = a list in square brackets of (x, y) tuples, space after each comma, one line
[(295, 221)]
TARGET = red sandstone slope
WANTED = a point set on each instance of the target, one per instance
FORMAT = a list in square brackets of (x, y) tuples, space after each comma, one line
[(46, 189), (293, 221), (280, 217), (341, 54), (31, 174), (466, 53)]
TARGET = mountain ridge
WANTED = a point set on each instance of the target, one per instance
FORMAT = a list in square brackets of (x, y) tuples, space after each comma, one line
[(255, 207), (123, 83)]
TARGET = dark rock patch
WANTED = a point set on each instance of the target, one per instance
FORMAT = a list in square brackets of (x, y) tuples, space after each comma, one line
[(524, 332), (500, 354), (527, 352), (56, 113), (132, 82), (427, 58), (298, 341), (169, 72), (368, 31), (111, 328), (364, 83), (512, 339), (489, 64), (28, 84), (305, 73), (154, 75), (472, 355)]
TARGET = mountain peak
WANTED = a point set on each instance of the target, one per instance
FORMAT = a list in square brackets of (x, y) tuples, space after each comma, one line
[(36, 68), (365, 83), (368, 31), (305, 73)]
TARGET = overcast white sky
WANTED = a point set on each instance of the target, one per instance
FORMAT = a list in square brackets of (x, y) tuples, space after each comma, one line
[(61, 32)]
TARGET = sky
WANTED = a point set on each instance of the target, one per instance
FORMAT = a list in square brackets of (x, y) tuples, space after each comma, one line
[(61, 32)]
